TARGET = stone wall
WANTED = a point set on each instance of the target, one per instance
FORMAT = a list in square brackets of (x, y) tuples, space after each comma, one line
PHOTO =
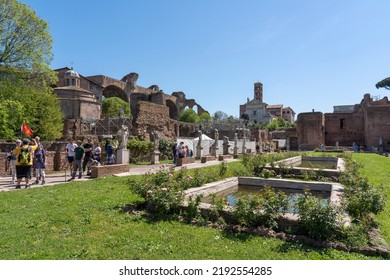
[(377, 125), (345, 128), (310, 130)]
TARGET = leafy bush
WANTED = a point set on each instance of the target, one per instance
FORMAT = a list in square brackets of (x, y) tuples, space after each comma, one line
[(319, 220), (263, 208), (165, 148), (138, 149), (112, 106)]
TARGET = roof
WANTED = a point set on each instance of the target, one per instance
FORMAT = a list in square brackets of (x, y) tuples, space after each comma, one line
[(275, 106)]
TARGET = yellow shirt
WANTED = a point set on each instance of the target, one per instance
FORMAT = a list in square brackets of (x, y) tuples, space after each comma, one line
[(31, 149)]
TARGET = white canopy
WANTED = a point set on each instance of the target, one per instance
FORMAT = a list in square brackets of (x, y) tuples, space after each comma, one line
[(204, 137)]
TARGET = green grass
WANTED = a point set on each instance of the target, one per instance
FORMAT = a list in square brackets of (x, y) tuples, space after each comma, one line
[(84, 220), (377, 169)]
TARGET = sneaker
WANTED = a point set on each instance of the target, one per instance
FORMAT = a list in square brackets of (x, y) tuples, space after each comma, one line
[(43, 182), (17, 187), (80, 176), (70, 179), (36, 182), (27, 186)]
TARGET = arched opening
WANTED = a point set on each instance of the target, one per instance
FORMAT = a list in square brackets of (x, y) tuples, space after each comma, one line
[(114, 91)]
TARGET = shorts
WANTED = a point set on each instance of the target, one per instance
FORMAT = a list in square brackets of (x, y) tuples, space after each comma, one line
[(70, 159), (23, 171)]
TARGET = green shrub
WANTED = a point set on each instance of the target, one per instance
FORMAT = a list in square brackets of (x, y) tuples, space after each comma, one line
[(138, 149), (263, 208), (318, 220)]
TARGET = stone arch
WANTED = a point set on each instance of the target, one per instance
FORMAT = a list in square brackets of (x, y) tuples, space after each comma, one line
[(114, 91), (173, 112)]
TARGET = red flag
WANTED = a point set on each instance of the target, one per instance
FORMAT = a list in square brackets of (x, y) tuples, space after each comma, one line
[(26, 129)]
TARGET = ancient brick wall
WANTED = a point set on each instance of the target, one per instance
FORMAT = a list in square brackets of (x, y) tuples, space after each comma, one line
[(377, 125), (345, 128), (310, 130)]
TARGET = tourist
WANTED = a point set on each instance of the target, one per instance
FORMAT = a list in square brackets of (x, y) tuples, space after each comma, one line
[(179, 149), (97, 152), (110, 158), (174, 154), (11, 158), (88, 149), (24, 161), (78, 160), (184, 152), (70, 148), (39, 164), (188, 151)]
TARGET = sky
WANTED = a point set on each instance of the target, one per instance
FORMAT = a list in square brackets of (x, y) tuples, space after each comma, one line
[(309, 55)]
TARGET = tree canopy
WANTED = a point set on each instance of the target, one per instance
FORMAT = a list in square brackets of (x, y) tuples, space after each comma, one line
[(25, 42), (26, 77), (38, 108), (189, 115), (112, 106), (385, 83)]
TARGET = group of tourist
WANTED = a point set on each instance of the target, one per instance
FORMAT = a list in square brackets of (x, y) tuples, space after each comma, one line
[(83, 155), (26, 157), (181, 151)]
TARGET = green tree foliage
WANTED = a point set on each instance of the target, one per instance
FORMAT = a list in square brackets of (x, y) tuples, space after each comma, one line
[(39, 108), (220, 116), (205, 117), (279, 124), (385, 83), (189, 115), (111, 107), (25, 43)]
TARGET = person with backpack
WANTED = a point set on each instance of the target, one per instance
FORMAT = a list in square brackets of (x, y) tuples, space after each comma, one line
[(11, 158), (24, 161), (39, 164), (78, 160)]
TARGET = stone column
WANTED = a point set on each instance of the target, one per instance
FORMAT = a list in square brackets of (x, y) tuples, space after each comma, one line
[(226, 145), (235, 148), (199, 148), (155, 154), (214, 147)]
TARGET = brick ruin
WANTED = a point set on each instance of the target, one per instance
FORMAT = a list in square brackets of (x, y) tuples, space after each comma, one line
[(366, 124), (152, 109)]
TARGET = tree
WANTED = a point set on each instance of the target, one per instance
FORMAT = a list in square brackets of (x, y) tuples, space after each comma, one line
[(112, 107), (25, 43), (189, 115), (205, 117), (220, 116), (279, 124), (385, 83)]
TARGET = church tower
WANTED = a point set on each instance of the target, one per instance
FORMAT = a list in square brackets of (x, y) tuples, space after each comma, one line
[(258, 90)]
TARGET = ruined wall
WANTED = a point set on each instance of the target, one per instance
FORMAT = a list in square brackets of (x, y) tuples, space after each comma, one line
[(152, 117), (377, 125), (346, 128), (310, 130)]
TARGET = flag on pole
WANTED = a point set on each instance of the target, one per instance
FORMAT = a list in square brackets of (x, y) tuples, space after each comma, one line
[(26, 129)]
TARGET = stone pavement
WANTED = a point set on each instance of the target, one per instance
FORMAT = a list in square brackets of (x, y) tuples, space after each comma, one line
[(61, 177)]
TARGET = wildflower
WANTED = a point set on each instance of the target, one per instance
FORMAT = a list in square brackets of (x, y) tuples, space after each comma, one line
[(189, 177), (164, 189), (170, 175), (258, 207), (149, 192), (227, 203)]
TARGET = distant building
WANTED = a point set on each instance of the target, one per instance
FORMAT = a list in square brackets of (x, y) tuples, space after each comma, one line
[(259, 112)]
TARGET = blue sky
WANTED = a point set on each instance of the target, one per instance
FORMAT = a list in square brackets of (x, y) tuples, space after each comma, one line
[(308, 54)]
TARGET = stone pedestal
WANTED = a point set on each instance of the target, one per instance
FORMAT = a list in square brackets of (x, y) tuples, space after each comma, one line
[(226, 149), (235, 151), (199, 152), (214, 151), (155, 157), (122, 156)]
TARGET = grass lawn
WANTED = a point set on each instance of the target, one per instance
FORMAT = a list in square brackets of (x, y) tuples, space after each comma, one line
[(84, 220)]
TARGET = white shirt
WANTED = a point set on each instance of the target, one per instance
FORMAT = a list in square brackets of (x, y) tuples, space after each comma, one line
[(70, 149)]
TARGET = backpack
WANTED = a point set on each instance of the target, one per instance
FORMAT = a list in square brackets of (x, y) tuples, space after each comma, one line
[(24, 156)]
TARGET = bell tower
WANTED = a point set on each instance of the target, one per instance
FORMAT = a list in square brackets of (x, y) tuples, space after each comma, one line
[(258, 91)]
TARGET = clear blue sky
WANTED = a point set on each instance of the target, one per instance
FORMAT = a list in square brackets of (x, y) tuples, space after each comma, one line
[(308, 54)]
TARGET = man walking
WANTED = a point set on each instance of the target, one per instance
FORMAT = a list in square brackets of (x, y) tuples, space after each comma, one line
[(24, 161)]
